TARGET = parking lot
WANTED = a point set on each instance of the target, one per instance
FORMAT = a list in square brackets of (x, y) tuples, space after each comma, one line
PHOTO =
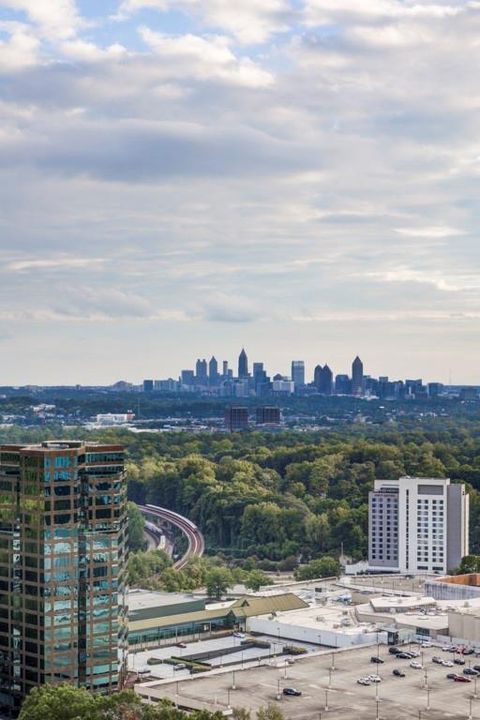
[(335, 693)]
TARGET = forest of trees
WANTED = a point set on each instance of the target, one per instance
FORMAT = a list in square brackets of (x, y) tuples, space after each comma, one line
[(269, 500)]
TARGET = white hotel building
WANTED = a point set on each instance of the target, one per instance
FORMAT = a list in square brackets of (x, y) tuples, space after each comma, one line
[(417, 525)]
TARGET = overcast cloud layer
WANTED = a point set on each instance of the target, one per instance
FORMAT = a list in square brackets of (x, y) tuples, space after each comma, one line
[(184, 177)]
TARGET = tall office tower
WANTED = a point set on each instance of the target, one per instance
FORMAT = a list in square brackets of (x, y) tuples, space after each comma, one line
[(225, 368), (213, 371), (317, 374), (343, 385), (201, 372), (417, 525), (63, 562), (236, 418), (298, 373), (148, 386), (357, 377), (326, 381), (242, 365)]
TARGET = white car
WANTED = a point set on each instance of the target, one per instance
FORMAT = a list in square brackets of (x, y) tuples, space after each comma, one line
[(239, 635), (375, 678), (416, 665), (426, 644), (447, 663)]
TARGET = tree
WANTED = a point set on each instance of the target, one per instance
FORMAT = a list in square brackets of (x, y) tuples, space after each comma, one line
[(322, 567), (136, 526), (271, 712), (217, 581), (469, 564), (255, 579), (64, 702)]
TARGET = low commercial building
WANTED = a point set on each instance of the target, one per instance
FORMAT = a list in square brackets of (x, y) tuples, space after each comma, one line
[(331, 625), (155, 617), (454, 587)]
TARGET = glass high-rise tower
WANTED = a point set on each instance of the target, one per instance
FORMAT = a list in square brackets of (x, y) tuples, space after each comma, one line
[(63, 553)]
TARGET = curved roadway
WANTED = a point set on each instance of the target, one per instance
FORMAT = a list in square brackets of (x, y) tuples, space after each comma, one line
[(196, 543)]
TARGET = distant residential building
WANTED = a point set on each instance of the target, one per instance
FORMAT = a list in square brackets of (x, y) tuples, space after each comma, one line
[(435, 389), (343, 385), (357, 377), (413, 388), (243, 365), (469, 393), (268, 415), (148, 386), (236, 418), (298, 373), (417, 525)]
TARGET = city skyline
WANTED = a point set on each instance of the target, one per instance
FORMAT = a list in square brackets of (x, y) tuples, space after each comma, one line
[(197, 174)]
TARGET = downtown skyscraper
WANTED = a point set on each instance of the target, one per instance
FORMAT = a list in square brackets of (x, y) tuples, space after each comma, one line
[(63, 554)]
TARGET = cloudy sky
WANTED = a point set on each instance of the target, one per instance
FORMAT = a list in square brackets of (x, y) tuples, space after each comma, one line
[(184, 177)]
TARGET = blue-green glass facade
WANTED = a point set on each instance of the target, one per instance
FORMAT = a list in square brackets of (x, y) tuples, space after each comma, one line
[(63, 544)]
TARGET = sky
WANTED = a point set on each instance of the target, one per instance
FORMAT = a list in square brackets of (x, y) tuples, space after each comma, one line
[(181, 178)]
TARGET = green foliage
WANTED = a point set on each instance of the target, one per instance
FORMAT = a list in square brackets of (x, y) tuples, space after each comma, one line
[(136, 525), (469, 564), (322, 567), (256, 579), (217, 581), (65, 702), (143, 567)]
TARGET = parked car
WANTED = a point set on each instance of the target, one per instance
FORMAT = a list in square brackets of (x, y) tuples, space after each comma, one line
[(414, 653), (376, 659), (416, 665), (375, 678), (447, 663), (239, 635), (394, 650), (363, 681), (181, 644), (452, 676), (426, 644), (462, 678), (292, 691), (476, 667), (468, 651), (437, 660), (403, 656), (179, 666), (398, 673), (459, 661), (471, 671)]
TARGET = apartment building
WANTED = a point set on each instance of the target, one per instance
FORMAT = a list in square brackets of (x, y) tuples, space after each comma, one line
[(417, 525)]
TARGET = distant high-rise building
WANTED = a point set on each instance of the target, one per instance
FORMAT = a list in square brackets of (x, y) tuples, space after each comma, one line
[(213, 371), (323, 380), (243, 365), (63, 563), (201, 372), (343, 385), (148, 385), (357, 377), (225, 368), (417, 525), (187, 377), (298, 373), (268, 415), (236, 418)]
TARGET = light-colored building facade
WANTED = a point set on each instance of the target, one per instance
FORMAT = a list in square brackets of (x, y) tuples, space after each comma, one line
[(417, 525)]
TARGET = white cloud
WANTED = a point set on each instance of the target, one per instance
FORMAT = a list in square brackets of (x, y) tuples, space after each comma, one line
[(54, 19), (59, 263), (250, 21), (205, 59), (21, 50)]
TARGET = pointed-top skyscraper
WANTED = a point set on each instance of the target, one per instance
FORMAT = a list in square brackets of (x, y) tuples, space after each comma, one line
[(357, 377), (243, 364)]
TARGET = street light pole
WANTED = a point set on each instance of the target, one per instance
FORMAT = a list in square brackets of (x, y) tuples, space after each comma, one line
[(326, 699), (475, 688), (428, 697), (333, 660), (234, 687), (329, 677), (470, 712)]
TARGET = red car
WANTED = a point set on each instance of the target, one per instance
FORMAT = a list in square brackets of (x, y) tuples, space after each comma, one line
[(461, 678)]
